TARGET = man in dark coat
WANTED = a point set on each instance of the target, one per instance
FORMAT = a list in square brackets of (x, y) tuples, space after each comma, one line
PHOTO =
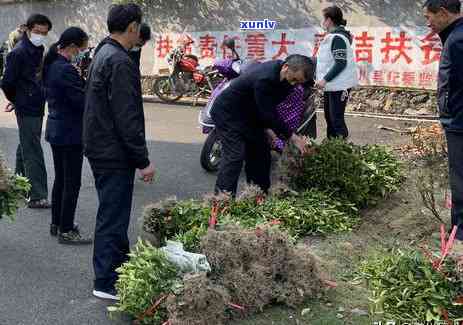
[(444, 18), (22, 85), (245, 109), (114, 142)]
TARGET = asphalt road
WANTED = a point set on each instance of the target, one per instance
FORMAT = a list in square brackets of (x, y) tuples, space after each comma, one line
[(44, 283)]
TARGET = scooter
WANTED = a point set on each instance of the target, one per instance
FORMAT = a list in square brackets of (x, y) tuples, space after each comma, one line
[(231, 69)]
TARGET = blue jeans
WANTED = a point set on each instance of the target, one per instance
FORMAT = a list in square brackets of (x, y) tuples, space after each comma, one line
[(111, 246)]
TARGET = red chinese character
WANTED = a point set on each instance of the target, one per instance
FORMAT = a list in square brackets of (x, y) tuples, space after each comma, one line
[(188, 48), (364, 46), (409, 78), (426, 79), (226, 53), (318, 40), (207, 46), (393, 78), (432, 48), (378, 77), (401, 48), (163, 46), (256, 46), (283, 46)]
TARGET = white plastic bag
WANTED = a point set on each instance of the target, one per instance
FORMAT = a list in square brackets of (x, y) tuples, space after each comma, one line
[(186, 262)]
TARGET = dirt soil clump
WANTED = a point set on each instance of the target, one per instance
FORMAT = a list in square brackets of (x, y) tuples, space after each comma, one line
[(261, 267), (200, 303)]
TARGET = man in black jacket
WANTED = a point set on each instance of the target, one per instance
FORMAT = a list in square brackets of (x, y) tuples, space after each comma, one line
[(444, 17), (114, 142), (22, 86), (245, 109)]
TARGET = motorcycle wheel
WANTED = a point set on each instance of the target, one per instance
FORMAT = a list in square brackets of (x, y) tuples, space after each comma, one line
[(162, 88), (211, 152)]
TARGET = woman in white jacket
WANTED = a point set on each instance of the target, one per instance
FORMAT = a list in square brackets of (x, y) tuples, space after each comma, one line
[(336, 71)]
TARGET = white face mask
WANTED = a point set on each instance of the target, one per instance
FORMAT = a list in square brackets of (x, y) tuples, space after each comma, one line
[(37, 39)]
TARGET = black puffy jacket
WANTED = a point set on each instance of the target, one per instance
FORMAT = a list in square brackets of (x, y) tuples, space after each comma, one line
[(450, 83), (114, 122)]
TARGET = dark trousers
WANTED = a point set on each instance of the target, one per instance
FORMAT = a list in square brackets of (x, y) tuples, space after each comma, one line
[(335, 106), (455, 152), (29, 155), (236, 149), (111, 245), (66, 187)]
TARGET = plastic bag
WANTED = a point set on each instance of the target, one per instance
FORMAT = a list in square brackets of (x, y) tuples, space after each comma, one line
[(186, 262)]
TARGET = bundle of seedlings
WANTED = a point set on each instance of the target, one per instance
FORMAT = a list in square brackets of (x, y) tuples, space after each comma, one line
[(185, 221), (144, 283), (252, 270), (361, 175), (260, 267), (300, 214), (413, 284), (14, 190)]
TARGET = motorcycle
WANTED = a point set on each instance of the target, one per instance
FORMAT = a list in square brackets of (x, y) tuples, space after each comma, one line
[(186, 78), (301, 99)]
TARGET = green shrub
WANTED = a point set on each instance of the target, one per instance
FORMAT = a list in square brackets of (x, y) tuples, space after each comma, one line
[(312, 212), (360, 175), (301, 214), (404, 285), (386, 171), (13, 191), (191, 238), (172, 218), (144, 279), (307, 213)]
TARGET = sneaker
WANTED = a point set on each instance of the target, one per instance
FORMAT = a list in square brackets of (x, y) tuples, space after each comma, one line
[(39, 204), (107, 294), (54, 229), (73, 237)]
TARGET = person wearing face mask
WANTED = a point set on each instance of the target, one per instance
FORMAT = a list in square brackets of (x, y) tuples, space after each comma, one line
[(64, 89), (22, 86), (243, 112), (114, 142), (145, 36), (336, 71)]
